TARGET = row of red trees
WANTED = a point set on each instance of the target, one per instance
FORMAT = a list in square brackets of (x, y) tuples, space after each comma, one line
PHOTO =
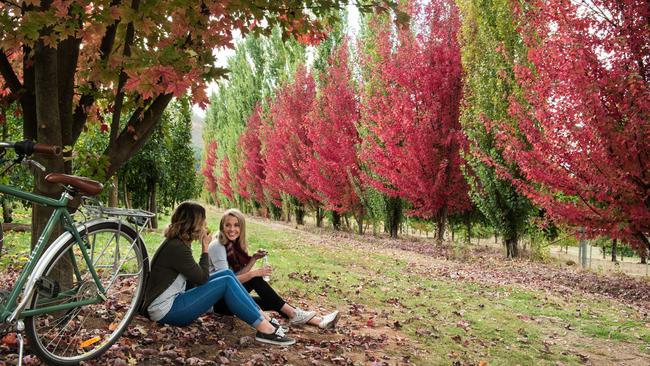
[(326, 146), (579, 142)]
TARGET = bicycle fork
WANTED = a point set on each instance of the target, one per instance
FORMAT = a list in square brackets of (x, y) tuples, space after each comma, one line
[(20, 327)]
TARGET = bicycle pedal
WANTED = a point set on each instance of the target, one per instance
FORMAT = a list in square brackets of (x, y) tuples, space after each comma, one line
[(47, 287)]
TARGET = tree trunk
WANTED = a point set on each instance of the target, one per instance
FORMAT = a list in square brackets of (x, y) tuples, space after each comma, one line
[(300, 214), (645, 243), (510, 242), (336, 221), (127, 195), (319, 216), (113, 194), (393, 215), (468, 227), (153, 207), (347, 222), (276, 212), (6, 204), (48, 132), (614, 242), (359, 220), (6, 210), (441, 220)]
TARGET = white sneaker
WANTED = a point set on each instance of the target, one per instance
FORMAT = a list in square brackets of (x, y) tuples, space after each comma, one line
[(329, 321), (302, 317)]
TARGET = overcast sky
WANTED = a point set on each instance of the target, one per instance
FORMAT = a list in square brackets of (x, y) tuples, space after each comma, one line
[(222, 55)]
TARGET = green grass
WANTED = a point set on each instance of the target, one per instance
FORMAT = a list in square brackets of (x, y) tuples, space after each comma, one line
[(445, 320), (452, 320)]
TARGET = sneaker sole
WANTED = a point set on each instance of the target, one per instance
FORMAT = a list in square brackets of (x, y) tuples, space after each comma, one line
[(268, 341)]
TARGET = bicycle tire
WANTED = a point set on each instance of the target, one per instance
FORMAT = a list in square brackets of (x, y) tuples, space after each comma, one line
[(67, 337)]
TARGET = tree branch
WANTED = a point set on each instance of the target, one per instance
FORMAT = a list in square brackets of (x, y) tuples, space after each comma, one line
[(136, 133), (86, 100), (7, 72), (119, 96)]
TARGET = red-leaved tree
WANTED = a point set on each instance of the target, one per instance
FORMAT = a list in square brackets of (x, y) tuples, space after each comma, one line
[(413, 131), (582, 140), (223, 181), (286, 142), (251, 175), (333, 169), (208, 169)]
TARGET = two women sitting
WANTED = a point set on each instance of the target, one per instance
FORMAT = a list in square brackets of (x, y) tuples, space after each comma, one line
[(179, 289)]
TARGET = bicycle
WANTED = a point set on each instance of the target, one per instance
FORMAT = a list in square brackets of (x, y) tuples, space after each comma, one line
[(75, 297)]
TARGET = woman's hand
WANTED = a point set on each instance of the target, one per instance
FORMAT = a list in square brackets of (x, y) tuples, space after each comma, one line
[(206, 239), (261, 253), (264, 271)]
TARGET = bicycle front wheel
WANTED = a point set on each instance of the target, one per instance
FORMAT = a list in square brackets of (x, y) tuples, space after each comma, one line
[(67, 337)]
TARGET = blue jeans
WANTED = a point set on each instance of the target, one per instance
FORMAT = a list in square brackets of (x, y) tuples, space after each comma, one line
[(221, 285)]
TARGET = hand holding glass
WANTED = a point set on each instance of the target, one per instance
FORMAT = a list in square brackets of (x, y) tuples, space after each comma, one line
[(266, 277)]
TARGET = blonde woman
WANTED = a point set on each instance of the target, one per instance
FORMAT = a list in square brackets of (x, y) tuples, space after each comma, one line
[(230, 250)]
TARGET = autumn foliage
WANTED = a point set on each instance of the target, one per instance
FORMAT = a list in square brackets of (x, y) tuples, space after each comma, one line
[(252, 173), (209, 167), (582, 135), (333, 170), (286, 139), (414, 135)]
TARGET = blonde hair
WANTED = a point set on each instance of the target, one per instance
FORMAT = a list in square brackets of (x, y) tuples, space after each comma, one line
[(242, 228), (186, 221)]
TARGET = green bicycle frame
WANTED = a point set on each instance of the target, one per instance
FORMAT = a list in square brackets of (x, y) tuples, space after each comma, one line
[(60, 214)]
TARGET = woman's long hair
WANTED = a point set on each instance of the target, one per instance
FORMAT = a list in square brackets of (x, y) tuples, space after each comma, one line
[(186, 221)]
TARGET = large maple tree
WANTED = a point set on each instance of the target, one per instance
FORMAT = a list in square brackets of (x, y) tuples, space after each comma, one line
[(582, 140), (413, 141)]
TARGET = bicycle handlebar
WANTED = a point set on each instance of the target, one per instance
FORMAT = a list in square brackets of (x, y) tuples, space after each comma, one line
[(27, 148), (47, 149)]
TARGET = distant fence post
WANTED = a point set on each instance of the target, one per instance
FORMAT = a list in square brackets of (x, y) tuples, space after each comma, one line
[(583, 248)]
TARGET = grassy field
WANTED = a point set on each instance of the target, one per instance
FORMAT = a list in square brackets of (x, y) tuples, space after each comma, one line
[(463, 321), (398, 309)]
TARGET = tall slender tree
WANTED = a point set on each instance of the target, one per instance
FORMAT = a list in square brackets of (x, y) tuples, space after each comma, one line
[(210, 163), (414, 136), (333, 170), (491, 46), (287, 143), (251, 175)]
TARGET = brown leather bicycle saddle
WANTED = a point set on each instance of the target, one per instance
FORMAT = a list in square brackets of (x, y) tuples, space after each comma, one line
[(84, 185)]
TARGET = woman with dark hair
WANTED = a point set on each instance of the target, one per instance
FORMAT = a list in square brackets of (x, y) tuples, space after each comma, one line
[(230, 250), (167, 298)]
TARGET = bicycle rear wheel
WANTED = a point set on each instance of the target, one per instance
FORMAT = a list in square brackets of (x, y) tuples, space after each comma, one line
[(67, 337)]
